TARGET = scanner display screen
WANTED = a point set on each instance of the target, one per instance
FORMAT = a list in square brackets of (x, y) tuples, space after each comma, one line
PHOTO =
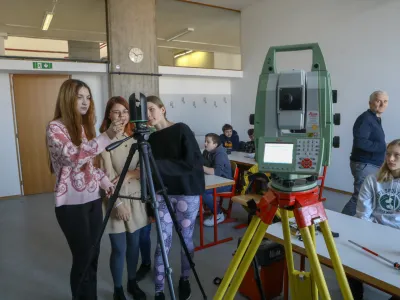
[(278, 153)]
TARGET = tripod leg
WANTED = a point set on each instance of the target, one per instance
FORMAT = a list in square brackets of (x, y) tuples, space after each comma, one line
[(110, 207), (258, 278), (337, 264), (316, 269), (288, 249), (247, 259), (168, 270), (314, 284), (230, 272), (175, 222)]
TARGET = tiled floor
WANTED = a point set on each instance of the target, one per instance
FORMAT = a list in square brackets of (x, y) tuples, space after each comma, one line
[(35, 258)]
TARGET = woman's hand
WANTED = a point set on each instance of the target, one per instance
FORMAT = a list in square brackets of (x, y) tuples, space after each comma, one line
[(115, 127), (122, 212), (110, 191)]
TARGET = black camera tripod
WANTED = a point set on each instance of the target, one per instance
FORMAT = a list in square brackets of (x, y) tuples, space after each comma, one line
[(146, 182)]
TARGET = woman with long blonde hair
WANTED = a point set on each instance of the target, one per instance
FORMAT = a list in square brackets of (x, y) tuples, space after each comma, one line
[(180, 162), (379, 199), (73, 145)]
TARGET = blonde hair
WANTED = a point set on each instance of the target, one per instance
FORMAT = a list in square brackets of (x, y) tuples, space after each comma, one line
[(384, 173), (157, 101)]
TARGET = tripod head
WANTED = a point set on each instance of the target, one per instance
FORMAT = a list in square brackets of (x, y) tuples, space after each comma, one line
[(138, 116), (293, 121)]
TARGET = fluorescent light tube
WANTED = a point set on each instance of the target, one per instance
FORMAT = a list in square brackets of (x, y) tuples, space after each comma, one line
[(47, 20)]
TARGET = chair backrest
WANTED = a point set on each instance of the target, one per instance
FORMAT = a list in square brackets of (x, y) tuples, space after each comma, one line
[(235, 175)]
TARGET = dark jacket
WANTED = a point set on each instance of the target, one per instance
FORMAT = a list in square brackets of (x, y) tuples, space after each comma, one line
[(178, 158), (219, 161), (369, 144), (234, 139)]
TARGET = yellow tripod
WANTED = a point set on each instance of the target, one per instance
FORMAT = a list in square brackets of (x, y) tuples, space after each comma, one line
[(308, 211)]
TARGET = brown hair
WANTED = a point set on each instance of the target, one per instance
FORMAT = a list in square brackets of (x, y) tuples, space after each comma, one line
[(227, 127), (106, 121), (157, 101), (384, 173), (214, 137), (68, 113)]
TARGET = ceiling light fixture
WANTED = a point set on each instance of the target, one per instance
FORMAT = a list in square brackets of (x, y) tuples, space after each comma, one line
[(186, 31), (48, 17), (47, 20), (183, 53)]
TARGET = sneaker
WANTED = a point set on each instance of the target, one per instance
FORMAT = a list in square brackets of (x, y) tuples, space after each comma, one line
[(135, 291), (142, 271), (210, 221), (159, 296), (184, 289), (119, 294)]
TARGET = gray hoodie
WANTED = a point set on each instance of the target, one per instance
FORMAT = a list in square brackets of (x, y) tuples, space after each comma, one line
[(379, 202), (218, 159)]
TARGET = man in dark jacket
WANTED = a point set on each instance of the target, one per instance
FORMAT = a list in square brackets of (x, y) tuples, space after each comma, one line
[(216, 162), (367, 156), (369, 145)]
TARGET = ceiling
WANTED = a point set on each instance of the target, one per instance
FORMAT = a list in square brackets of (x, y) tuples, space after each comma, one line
[(84, 20)]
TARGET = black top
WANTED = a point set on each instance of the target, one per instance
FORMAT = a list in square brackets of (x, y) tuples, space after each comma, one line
[(369, 144), (179, 160)]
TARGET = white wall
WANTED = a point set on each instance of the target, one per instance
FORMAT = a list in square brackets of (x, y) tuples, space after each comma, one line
[(212, 98), (93, 74), (361, 50), (9, 176)]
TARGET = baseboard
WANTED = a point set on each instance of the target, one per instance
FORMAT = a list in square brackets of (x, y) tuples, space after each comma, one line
[(10, 197), (337, 191)]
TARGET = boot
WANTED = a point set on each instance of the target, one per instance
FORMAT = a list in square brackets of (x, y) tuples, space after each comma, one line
[(119, 294), (135, 291)]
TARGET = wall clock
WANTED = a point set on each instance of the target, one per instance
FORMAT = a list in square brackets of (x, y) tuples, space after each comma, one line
[(136, 55)]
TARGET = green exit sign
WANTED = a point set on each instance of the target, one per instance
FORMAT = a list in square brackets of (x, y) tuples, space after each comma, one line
[(42, 65)]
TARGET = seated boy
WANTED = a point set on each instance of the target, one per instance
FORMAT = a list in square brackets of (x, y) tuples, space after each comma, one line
[(229, 138), (216, 162)]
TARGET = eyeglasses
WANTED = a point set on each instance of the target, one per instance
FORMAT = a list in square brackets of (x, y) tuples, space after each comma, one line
[(120, 113)]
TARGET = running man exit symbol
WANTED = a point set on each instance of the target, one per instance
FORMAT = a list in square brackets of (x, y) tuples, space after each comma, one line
[(42, 65)]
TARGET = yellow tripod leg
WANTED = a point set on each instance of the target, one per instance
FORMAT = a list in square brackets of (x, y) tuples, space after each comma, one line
[(314, 284), (288, 249), (247, 259), (316, 269), (337, 264), (230, 272)]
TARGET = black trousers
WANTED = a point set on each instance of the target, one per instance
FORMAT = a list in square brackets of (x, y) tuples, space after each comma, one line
[(81, 225)]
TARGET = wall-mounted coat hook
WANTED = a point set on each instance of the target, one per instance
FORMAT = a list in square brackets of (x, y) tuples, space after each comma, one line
[(205, 100), (215, 104), (226, 101), (194, 103), (183, 100), (171, 104)]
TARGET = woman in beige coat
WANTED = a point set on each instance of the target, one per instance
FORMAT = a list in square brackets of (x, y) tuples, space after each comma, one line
[(128, 216)]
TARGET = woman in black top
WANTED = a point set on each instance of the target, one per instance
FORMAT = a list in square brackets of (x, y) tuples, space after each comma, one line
[(180, 163)]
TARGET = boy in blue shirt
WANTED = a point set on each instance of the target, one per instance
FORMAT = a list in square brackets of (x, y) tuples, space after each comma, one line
[(216, 162)]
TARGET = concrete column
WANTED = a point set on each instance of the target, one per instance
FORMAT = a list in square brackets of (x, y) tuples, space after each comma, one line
[(131, 26), (84, 50), (3, 37)]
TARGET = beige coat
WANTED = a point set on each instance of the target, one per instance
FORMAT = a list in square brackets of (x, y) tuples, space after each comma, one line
[(112, 163)]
